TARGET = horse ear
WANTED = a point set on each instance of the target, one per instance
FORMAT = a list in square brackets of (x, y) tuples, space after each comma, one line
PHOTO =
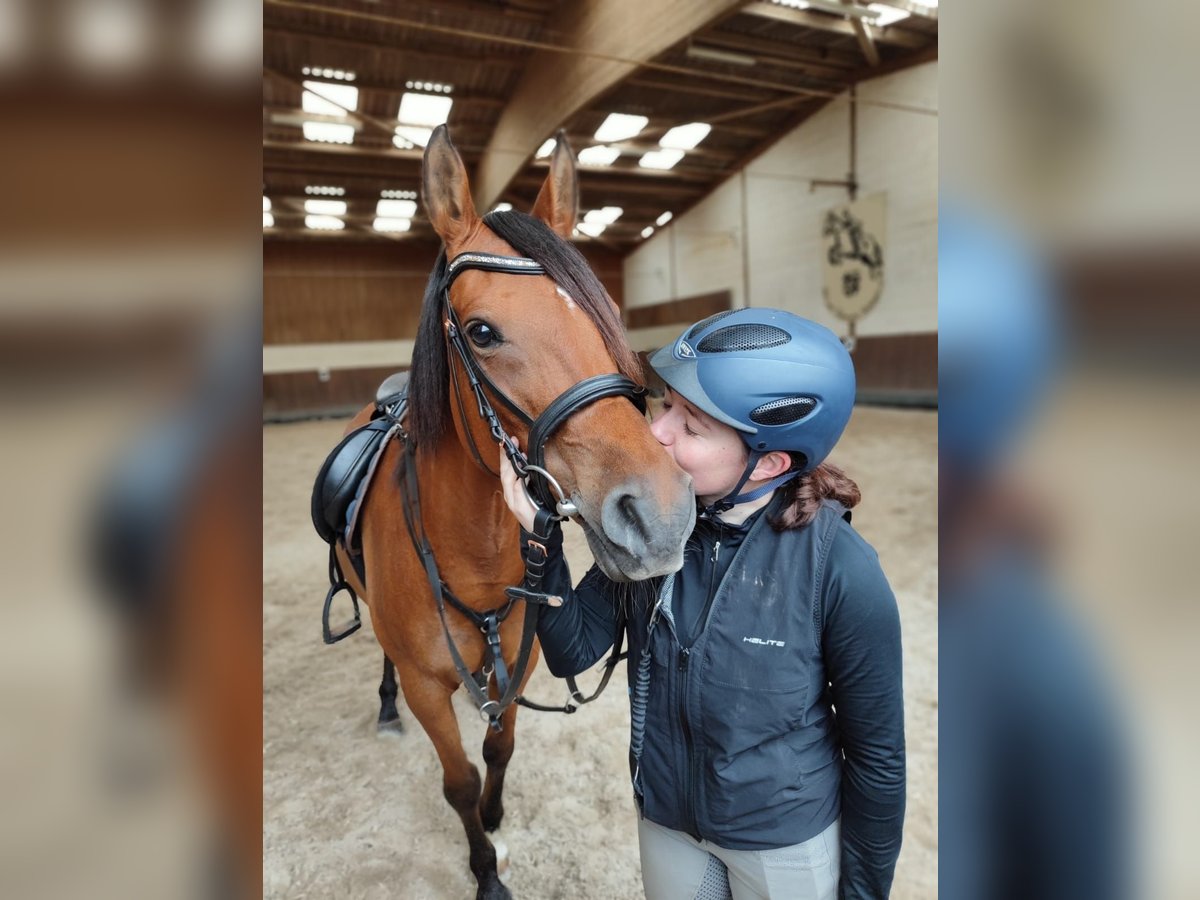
[(558, 201), (446, 191)]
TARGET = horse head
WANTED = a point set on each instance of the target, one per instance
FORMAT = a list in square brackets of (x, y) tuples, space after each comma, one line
[(532, 338)]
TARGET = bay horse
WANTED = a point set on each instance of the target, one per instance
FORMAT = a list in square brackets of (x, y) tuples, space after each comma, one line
[(532, 338)]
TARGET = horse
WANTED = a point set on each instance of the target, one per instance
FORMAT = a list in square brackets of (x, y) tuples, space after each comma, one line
[(496, 338)]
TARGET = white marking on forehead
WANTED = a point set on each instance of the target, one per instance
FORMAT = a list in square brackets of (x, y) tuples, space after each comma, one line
[(566, 297)]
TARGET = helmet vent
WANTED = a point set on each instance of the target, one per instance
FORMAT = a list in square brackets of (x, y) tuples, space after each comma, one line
[(740, 338), (704, 323), (783, 411)]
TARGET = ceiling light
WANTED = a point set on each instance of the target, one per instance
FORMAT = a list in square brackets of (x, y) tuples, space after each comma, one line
[(387, 224), (620, 127), (647, 231), (685, 137), (436, 86), (396, 209), (325, 190), (266, 204), (324, 223), (598, 155), (591, 229), (424, 109), (502, 207), (546, 149), (885, 15), (335, 74), (721, 56), (329, 133), (663, 219), (326, 207), (408, 137), (660, 159), (328, 99), (604, 216), (268, 220), (791, 4), (398, 195)]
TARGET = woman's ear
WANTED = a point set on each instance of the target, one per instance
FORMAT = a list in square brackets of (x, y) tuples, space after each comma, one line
[(772, 465)]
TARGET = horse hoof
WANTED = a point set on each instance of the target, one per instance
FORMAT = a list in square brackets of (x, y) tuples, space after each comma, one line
[(391, 726)]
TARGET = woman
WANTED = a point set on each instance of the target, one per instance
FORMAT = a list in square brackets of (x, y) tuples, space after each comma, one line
[(768, 739)]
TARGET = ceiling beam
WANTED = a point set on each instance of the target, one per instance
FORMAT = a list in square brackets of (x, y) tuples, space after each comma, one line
[(382, 45), (611, 37), (866, 41), (822, 22)]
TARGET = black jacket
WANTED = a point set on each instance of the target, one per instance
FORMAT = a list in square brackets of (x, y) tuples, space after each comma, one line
[(775, 700)]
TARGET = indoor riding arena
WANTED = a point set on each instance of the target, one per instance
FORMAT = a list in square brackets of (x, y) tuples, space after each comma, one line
[(729, 155)]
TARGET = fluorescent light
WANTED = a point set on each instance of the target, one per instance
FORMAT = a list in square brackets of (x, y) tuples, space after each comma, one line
[(338, 95), (721, 56), (388, 224), (268, 220), (398, 195), (664, 219), (620, 127), (325, 207), (546, 149), (324, 223), (598, 155), (396, 209), (336, 74), (502, 207), (329, 133), (325, 190), (660, 159), (424, 109), (685, 137), (885, 15), (647, 231), (408, 136), (605, 216), (434, 86), (591, 229), (266, 204)]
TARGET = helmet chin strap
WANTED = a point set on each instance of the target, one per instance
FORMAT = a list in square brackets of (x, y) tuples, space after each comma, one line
[(733, 498)]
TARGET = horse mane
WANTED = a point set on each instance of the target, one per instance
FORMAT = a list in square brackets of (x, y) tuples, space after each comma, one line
[(429, 404)]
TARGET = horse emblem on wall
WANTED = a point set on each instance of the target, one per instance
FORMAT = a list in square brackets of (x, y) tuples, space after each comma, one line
[(852, 235)]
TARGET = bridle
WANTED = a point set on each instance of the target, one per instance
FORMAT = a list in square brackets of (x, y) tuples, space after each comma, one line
[(551, 502), (545, 492)]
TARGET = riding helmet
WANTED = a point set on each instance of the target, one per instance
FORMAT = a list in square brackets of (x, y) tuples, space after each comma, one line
[(781, 381)]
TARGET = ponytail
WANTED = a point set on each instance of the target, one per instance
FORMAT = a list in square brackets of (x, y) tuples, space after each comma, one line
[(803, 496)]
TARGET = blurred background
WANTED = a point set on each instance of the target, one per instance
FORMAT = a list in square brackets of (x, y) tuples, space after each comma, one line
[(129, 393), (1068, 411)]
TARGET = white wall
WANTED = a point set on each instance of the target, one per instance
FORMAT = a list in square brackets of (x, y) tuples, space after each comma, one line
[(897, 153)]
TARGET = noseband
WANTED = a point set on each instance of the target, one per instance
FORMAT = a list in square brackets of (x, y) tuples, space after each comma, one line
[(545, 491)]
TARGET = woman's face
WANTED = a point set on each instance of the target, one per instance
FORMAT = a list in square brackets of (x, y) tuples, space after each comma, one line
[(708, 450)]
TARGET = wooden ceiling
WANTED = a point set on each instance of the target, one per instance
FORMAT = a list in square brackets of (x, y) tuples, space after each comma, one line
[(522, 69)]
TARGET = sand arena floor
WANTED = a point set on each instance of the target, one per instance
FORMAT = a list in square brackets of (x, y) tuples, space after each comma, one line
[(349, 813)]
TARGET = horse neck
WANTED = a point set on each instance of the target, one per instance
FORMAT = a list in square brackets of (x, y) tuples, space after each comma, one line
[(464, 506)]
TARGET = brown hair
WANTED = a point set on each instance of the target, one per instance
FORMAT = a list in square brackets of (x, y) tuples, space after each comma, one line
[(803, 496)]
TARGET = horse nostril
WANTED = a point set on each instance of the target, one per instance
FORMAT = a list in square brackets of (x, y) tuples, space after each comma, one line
[(625, 522)]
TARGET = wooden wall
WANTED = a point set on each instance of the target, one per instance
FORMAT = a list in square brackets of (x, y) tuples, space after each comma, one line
[(323, 292)]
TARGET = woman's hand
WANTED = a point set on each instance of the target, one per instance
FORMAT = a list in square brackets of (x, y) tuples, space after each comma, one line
[(514, 492)]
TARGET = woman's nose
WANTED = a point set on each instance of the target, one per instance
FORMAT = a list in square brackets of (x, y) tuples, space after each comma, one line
[(658, 428)]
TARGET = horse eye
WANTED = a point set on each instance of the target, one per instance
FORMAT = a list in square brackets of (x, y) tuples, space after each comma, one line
[(482, 334)]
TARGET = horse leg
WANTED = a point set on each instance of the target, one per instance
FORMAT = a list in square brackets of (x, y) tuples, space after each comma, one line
[(497, 751), (429, 701), (389, 717)]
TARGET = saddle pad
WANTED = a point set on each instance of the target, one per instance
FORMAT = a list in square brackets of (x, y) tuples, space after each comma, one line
[(338, 480)]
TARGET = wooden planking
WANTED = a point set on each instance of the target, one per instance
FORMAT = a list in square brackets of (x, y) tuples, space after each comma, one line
[(289, 395), (687, 309), (897, 367)]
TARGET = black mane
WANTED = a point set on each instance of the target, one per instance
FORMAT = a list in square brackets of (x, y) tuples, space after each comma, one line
[(429, 410)]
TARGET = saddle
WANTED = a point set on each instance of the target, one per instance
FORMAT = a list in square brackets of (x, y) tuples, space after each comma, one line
[(341, 485)]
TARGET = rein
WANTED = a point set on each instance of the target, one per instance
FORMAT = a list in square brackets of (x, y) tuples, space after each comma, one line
[(545, 493)]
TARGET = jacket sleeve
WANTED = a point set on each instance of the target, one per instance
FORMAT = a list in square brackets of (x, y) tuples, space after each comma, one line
[(577, 634), (860, 640)]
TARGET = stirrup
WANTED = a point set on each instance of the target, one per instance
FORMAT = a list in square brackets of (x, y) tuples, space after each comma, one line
[(350, 627)]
